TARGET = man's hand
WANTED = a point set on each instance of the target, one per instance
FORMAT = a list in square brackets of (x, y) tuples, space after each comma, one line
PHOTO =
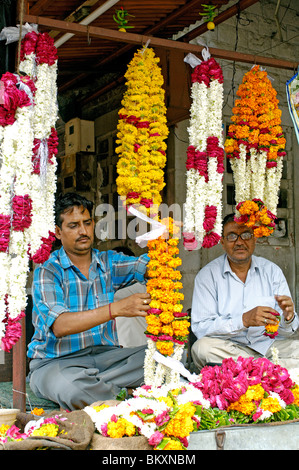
[(135, 305), (286, 305), (259, 316)]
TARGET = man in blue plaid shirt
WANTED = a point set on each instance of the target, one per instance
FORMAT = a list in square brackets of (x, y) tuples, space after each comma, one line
[(75, 356)]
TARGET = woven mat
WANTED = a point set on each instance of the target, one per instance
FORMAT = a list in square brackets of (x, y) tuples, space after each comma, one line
[(6, 398)]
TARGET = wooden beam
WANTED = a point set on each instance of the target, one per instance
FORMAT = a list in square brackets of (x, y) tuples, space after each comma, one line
[(141, 39), (19, 371)]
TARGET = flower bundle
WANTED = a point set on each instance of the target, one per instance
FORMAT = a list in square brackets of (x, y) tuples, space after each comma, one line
[(26, 193), (272, 330), (205, 154), (142, 131), (254, 214), (44, 427), (255, 142), (167, 326), (237, 392)]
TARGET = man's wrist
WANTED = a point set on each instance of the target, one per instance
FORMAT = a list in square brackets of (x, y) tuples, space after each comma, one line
[(290, 321)]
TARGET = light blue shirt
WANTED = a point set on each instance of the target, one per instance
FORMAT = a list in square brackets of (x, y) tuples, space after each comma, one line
[(220, 298), (59, 286)]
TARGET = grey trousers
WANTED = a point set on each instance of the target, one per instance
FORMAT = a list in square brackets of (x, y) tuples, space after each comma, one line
[(209, 349), (93, 374)]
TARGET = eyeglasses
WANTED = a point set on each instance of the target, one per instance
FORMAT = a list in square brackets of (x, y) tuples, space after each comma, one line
[(233, 237)]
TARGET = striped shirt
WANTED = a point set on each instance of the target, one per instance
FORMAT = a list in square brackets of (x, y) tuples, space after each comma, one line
[(59, 286), (220, 298)]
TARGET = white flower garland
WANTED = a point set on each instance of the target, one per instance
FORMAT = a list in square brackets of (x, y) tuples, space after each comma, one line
[(17, 180), (204, 190), (43, 186)]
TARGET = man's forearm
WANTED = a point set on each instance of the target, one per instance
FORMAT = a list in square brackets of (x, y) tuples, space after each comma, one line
[(70, 323)]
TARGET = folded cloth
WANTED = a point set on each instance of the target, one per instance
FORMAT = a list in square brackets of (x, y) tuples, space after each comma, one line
[(77, 432)]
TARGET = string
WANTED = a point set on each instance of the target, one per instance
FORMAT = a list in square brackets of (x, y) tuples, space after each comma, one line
[(20, 36), (27, 397)]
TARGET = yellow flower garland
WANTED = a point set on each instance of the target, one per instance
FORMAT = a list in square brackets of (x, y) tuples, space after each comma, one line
[(141, 133), (166, 324)]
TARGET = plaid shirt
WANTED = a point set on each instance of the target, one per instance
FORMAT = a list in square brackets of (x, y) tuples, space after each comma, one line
[(59, 286)]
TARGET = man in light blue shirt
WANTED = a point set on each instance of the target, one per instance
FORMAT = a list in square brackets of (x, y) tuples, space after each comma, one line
[(233, 300)]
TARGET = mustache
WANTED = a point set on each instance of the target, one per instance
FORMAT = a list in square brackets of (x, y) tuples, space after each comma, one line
[(83, 238)]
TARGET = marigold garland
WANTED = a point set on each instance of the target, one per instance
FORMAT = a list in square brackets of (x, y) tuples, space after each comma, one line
[(167, 326), (255, 142), (142, 131)]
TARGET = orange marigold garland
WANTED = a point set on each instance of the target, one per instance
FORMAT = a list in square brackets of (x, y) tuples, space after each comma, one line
[(255, 143), (167, 326)]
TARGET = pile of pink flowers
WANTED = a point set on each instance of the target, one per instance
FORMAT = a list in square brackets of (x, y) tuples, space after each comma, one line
[(225, 384)]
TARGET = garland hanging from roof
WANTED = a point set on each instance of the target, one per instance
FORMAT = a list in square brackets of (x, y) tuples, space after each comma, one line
[(203, 207), (142, 131), (27, 176), (256, 146)]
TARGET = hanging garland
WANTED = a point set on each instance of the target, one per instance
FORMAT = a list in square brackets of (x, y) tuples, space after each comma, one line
[(39, 61), (16, 139), (167, 326), (203, 207), (27, 178), (255, 145), (142, 131)]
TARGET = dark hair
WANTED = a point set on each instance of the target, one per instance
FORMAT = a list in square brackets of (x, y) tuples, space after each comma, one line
[(228, 218), (68, 200)]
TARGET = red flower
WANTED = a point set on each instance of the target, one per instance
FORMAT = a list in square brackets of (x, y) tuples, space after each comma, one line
[(4, 232), (22, 215)]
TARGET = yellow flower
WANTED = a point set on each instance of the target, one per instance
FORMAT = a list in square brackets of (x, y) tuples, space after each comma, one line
[(37, 411), (270, 404), (49, 429), (295, 392), (3, 429), (173, 444), (182, 424)]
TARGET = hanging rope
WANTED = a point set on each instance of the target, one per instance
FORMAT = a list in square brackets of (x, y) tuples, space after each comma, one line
[(20, 35)]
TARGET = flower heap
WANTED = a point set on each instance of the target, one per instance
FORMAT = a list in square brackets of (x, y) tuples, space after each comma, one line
[(255, 143), (142, 131), (237, 392), (167, 326), (23, 199), (205, 154), (44, 427)]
